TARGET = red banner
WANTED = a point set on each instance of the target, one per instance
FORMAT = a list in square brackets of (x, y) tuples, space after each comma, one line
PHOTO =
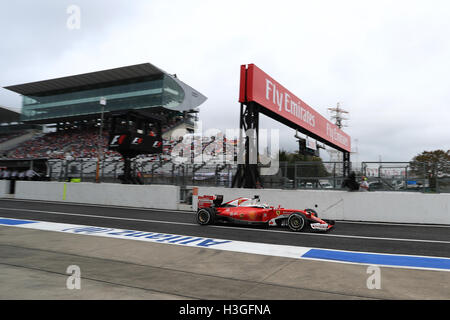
[(259, 87)]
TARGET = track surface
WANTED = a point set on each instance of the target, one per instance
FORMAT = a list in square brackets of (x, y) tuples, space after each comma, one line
[(365, 237)]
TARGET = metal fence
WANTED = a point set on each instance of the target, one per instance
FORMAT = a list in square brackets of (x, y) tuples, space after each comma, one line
[(382, 176)]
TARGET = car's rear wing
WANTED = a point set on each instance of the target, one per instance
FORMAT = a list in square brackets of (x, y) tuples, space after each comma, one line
[(209, 201)]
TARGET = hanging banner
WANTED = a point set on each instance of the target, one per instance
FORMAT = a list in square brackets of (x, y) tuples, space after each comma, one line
[(280, 103)]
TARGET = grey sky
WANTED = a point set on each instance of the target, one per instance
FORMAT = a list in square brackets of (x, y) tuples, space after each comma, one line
[(387, 62)]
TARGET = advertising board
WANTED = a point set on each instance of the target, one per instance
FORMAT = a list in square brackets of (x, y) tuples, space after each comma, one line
[(281, 104)]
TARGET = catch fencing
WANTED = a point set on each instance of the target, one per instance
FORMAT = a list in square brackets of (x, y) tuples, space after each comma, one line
[(382, 176)]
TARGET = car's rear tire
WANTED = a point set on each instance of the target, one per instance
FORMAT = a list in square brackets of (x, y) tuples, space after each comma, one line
[(297, 222), (206, 216)]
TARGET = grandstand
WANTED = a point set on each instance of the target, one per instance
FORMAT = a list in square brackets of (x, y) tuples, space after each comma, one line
[(12, 131), (77, 142), (9, 136), (70, 109)]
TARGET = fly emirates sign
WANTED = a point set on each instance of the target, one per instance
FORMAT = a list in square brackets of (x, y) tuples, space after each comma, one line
[(259, 87)]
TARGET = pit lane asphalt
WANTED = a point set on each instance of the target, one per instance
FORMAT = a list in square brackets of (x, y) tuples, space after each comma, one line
[(407, 239)]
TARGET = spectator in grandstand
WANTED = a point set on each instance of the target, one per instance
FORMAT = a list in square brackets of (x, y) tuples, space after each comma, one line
[(350, 182), (364, 185)]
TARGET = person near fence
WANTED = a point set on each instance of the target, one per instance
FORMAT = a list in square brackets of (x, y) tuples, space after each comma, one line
[(6, 174), (32, 175), (350, 182), (364, 185), (14, 174), (22, 175)]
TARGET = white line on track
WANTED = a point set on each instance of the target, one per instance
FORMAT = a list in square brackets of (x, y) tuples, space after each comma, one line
[(398, 224), (227, 227), (95, 205), (97, 216)]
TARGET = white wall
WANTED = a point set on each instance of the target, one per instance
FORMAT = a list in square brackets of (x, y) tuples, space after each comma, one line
[(4, 188), (148, 196), (405, 207), (39, 190)]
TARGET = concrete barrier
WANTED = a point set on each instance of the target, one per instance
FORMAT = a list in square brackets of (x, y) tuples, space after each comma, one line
[(4, 188), (39, 190), (148, 196), (403, 207)]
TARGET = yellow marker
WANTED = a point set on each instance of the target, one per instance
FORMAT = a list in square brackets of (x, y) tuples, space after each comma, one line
[(64, 191)]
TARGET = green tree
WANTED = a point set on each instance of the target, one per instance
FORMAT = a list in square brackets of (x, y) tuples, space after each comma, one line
[(431, 165), (303, 165)]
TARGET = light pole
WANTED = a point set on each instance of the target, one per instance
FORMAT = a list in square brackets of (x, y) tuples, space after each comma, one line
[(100, 140)]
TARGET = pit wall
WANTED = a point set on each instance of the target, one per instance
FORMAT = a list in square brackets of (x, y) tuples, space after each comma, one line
[(148, 196), (402, 207)]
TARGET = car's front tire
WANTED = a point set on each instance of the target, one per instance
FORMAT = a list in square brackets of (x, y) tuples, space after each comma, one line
[(206, 216), (297, 222)]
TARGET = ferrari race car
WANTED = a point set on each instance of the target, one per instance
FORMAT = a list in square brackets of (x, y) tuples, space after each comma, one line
[(211, 209)]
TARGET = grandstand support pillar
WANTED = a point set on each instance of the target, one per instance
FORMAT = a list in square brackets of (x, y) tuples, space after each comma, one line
[(346, 164), (247, 175), (97, 171), (81, 170), (100, 142), (127, 176)]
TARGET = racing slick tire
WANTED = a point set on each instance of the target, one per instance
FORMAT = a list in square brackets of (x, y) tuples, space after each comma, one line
[(206, 216), (297, 222), (313, 212)]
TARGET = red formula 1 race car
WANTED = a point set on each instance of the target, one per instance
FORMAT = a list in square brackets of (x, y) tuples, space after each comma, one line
[(211, 209)]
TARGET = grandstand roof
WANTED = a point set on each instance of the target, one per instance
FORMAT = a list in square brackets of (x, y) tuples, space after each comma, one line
[(8, 115), (87, 79), (77, 97)]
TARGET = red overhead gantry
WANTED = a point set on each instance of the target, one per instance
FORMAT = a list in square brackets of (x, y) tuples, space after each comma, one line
[(260, 93)]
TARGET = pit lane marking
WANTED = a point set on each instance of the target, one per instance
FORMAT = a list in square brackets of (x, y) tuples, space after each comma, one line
[(337, 256), (225, 227), (398, 224)]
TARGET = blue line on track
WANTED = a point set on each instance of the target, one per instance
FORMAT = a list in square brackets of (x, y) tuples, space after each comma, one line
[(14, 222), (379, 259)]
